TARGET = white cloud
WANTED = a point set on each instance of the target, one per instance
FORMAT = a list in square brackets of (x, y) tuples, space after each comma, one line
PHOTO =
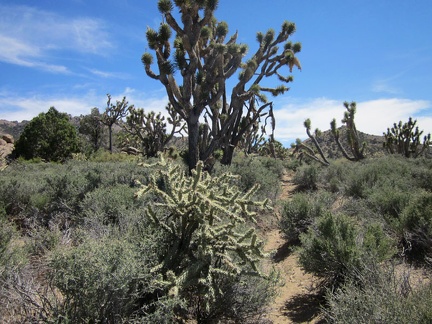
[(372, 117), (29, 37), (25, 107)]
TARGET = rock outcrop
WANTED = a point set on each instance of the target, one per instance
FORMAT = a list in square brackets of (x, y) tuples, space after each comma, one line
[(6, 148)]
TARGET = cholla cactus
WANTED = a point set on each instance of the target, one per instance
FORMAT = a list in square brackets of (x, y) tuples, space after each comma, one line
[(206, 219), (405, 139)]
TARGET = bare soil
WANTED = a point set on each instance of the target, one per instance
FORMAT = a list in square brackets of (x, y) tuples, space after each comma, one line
[(297, 300)]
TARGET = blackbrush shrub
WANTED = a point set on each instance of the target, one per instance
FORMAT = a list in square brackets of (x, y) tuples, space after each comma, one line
[(253, 170), (336, 245), (12, 254), (107, 206), (101, 281), (388, 200), (379, 295), (416, 227), (299, 212), (306, 177)]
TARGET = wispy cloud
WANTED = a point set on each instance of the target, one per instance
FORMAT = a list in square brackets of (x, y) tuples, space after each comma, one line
[(109, 75), (384, 86), (29, 37)]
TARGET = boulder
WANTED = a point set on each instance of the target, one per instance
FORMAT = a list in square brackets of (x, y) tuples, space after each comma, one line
[(8, 138)]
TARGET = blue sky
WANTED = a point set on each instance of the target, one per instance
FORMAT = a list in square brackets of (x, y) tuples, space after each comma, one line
[(71, 53)]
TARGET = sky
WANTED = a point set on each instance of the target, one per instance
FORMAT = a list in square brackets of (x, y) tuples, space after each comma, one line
[(70, 54)]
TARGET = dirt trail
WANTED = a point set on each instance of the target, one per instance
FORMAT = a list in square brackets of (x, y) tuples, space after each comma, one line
[(296, 301)]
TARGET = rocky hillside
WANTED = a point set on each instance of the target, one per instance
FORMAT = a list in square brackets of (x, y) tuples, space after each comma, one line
[(13, 128)]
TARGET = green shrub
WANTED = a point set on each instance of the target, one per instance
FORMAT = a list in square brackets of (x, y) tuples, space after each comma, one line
[(103, 208), (337, 246), (264, 171), (388, 201), (379, 296), (12, 253), (306, 177), (416, 227), (298, 213), (100, 281)]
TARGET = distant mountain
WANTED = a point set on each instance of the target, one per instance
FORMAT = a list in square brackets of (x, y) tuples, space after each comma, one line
[(13, 128)]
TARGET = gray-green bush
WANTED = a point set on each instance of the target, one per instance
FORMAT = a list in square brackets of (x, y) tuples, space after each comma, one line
[(379, 295), (299, 212), (336, 246)]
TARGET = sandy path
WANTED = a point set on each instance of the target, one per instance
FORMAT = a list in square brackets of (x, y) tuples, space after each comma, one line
[(296, 302)]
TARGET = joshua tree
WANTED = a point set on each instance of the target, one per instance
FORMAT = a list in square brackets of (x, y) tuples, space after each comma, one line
[(308, 151), (205, 60), (405, 139), (357, 149), (91, 126), (113, 113), (150, 130)]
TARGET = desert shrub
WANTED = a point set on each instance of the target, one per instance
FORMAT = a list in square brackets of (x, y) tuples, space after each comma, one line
[(102, 155), (261, 170), (298, 213), (379, 295), (388, 200), (245, 299), (38, 194), (13, 258), (100, 281), (416, 227), (306, 177), (335, 175), (102, 208), (12, 253), (336, 246), (371, 175), (41, 239)]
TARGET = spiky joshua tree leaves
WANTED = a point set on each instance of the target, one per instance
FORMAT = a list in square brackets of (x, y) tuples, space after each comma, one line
[(204, 60), (406, 139), (206, 220)]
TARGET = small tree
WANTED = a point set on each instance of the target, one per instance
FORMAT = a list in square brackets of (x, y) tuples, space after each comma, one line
[(114, 113), (150, 129), (353, 139), (92, 127), (406, 139), (49, 136)]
